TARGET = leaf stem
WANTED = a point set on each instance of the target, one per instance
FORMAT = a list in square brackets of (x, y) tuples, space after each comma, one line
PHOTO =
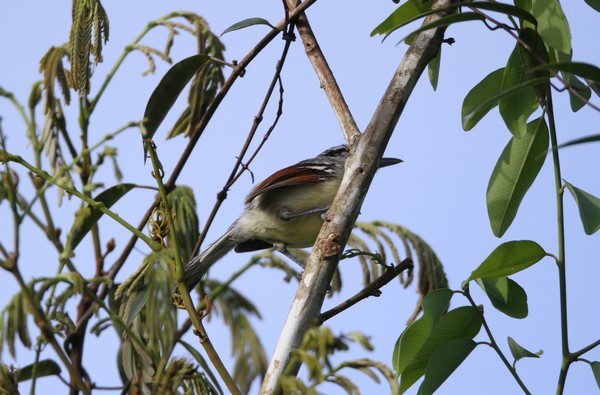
[(180, 277), (493, 342), (567, 358)]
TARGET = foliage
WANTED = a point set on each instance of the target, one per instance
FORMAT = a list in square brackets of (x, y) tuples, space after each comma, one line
[(65, 308), (541, 60), (315, 352)]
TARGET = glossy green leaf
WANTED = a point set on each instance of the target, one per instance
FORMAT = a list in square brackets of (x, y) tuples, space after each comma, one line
[(584, 70), (517, 108), (462, 322), (474, 111), (168, 90), (596, 372), (433, 69), (506, 295), (518, 352), (87, 216), (531, 56), (436, 303), (584, 140), (552, 24), (481, 99), (595, 4), (410, 342), (44, 368), (406, 13), (515, 171), (246, 23), (444, 362), (583, 92), (509, 258), (589, 208)]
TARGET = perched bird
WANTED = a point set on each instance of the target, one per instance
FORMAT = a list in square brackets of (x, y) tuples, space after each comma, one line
[(285, 210)]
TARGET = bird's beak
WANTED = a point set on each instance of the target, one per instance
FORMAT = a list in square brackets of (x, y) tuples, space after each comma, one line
[(384, 162)]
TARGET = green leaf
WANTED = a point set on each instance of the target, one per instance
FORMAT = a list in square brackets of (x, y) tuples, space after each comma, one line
[(532, 55), (87, 216), (582, 89), (589, 208), (185, 218), (515, 171), (168, 90), (475, 111), (462, 322), (433, 69), (410, 342), (436, 303), (552, 24), (584, 70), (517, 108), (444, 362), (595, 4), (509, 258), (583, 140), (481, 99), (135, 304), (506, 9), (596, 371), (408, 12), (519, 352), (246, 23), (414, 10), (46, 367), (506, 295)]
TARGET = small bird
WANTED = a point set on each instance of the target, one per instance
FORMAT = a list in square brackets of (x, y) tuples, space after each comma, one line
[(285, 210)]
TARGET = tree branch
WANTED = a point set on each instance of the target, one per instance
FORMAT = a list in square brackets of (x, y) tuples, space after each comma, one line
[(326, 77), (373, 289), (360, 169)]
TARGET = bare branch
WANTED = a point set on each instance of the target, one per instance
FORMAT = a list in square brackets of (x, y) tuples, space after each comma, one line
[(373, 289), (326, 77)]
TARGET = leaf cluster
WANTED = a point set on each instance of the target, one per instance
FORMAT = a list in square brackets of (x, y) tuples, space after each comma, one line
[(316, 352)]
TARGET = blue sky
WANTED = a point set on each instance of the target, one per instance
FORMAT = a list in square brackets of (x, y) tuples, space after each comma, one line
[(439, 192)]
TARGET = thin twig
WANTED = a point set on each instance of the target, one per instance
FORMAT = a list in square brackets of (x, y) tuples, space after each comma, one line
[(233, 176), (180, 277), (373, 289), (465, 292)]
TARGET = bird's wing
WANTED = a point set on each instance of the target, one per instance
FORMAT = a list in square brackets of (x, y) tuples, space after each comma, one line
[(292, 175)]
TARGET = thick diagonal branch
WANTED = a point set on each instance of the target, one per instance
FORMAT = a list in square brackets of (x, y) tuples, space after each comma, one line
[(360, 169)]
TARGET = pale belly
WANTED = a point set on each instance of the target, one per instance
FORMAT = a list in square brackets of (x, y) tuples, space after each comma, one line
[(299, 232)]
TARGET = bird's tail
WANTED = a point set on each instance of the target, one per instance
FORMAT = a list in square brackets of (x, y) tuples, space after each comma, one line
[(199, 265)]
